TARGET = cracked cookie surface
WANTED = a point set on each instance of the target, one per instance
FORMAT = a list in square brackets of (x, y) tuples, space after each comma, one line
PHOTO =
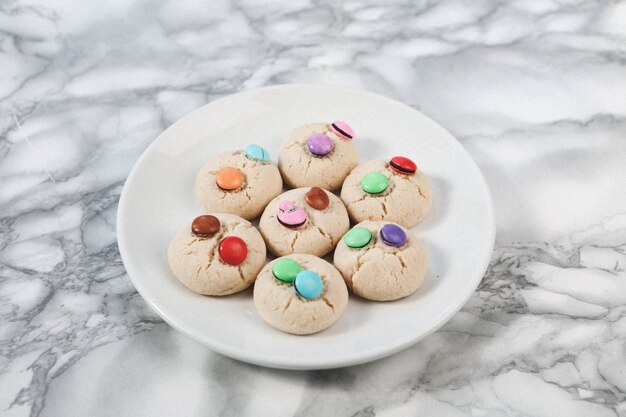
[(300, 168), (380, 272), (317, 236), (280, 306), (406, 201), (262, 182), (196, 262)]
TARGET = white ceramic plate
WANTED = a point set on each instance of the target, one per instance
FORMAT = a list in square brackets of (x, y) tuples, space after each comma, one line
[(158, 198)]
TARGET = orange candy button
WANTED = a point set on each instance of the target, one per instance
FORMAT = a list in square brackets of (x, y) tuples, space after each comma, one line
[(229, 178)]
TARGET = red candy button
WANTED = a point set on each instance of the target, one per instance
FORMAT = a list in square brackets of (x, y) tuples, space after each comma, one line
[(233, 250), (403, 165)]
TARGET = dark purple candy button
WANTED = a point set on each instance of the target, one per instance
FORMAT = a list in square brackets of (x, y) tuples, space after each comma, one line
[(393, 235), (320, 144)]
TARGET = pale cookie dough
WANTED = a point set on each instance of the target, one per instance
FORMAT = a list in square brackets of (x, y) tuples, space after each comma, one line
[(300, 168), (280, 306), (196, 262), (262, 183), (380, 272), (406, 201), (317, 236)]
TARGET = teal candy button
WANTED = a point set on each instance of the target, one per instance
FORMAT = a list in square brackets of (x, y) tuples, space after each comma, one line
[(257, 153), (374, 183), (308, 285)]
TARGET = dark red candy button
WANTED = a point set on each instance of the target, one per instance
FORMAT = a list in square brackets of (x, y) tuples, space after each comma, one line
[(205, 225), (403, 165), (317, 198), (233, 250)]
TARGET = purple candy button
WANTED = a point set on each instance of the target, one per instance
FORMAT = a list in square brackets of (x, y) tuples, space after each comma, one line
[(393, 235), (319, 144)]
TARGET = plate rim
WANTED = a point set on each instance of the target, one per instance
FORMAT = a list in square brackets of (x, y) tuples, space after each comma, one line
[(330, 363)]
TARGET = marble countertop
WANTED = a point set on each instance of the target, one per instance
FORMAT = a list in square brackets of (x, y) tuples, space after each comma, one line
[(535, 90)]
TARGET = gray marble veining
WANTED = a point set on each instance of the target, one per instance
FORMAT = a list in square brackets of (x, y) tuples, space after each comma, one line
[(533, 89)]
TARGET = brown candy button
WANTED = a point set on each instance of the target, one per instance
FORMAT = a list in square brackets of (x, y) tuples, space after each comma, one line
[(205, 225), (317, 198)]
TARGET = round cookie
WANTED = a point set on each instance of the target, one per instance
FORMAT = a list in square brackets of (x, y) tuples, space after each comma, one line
[(395, 191), (240, 182), (381, 261), (280, 305), (318, 154), (217, 254), (304, 220)]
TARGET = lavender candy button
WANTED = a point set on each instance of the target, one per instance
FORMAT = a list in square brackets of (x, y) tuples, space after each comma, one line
[(319, 144), (393, 235)]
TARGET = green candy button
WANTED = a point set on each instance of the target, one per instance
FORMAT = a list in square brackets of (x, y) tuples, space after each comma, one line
[(286, 269), (357, 237), (374, 183)]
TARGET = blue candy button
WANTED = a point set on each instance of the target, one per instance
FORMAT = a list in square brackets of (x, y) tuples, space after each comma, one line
[(308, 285), (257, 153)]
